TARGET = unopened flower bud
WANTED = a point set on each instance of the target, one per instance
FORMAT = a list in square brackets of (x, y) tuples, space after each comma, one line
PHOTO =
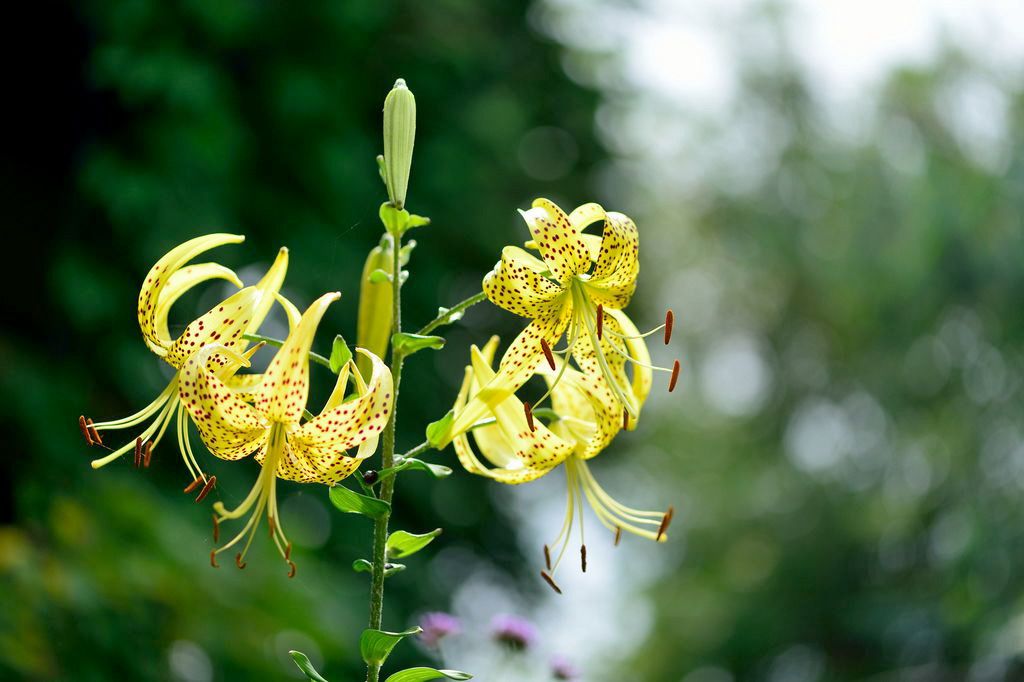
[(399, 137)]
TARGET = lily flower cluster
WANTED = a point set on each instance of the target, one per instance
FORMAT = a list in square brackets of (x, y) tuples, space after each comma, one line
[(238, 415), (596, 384)]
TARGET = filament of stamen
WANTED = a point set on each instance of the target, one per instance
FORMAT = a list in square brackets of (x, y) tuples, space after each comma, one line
[(159, 423), (582, 303), (143, 414)]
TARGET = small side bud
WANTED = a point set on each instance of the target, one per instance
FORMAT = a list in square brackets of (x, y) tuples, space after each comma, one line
[(370, 477), (399, 138)]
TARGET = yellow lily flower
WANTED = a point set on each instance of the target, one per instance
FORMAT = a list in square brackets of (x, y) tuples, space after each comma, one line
[(224, 325), (577, 288), (267, 421), (519, 448)]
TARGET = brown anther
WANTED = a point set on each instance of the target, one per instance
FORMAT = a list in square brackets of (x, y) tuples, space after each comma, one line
[(618, 535), (675, 377), (665, 520), (551, 581), (238, 561), (288, 551), (147, 454), (547, 557), (547, 353), (206, 489), (216, 529), (93, 432), (273, 527), (138, 452), (213, 558), (85, 430), (600, 320), (671, 513), (291, 568), (625, 420), (193, 485), (669, 319), (583, 557), (529, 416)]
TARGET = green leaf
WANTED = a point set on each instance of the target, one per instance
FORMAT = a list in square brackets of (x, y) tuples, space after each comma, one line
[(408, 344), (362, 566), (340, 354), (437, 431), (305, 666), (401, 544), (435, 470), (423, 674), (416, 221), (376, 645), (390, 569), (354, 503)]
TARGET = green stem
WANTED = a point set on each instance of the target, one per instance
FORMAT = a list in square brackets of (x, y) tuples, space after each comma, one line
[(418, 450), (387, 487), (277, 343), (445, 317)]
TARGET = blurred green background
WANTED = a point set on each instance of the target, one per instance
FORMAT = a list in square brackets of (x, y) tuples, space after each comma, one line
[(846, 452)]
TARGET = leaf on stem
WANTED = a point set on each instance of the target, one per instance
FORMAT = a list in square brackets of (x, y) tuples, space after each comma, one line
[(340, 354), (376, 645), (436, 431), (354, 503), (408, 344), (424, 674), (302, 660), (401, 544)]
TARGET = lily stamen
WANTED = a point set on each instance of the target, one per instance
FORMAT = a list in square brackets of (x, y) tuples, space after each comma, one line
[(551, 581), (190, 488), (138, 451), (600, 320), (147, 454), (547, 557), (85, 430), (206, 489), (583, 558), (675, 377), (547, 353), (239, 562), (529, 416), (291, 568), (669, 320)]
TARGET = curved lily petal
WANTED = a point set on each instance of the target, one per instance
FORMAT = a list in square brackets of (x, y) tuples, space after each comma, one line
[(559, 244), (614, 278), (281, 396), (224, 325), (268, 286), (157, 279), (518, 285), (180, 282)]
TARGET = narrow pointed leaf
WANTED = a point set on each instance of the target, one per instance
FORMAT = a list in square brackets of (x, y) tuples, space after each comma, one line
[(340, 354), (401, 544), (354, 503), (410, 343), (424, 674), (306, 667), (362, 566), (376, 645), (436, 431)]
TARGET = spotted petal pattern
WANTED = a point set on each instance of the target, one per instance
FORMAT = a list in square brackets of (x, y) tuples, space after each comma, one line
[(518, 285), (230, 427), (559, 244)]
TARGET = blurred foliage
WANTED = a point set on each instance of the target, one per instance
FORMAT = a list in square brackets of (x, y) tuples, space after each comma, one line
[(151, 123)]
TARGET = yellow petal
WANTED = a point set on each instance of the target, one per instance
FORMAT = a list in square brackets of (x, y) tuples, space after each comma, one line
[(229, 426), (180, 282), (517, 366), (290, 311), (156, 280), (637, 349), (517, 285), (268, 287), (614, 278), (281, 397), (318, 446), (560, 245), (585, 215), (223, 325)]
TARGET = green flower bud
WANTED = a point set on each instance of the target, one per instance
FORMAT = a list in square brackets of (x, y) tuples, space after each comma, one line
[(399, 137)]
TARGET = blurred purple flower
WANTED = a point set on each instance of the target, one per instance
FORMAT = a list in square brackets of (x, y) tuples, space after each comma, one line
[(436, 626), (562, 669), (514, 632)]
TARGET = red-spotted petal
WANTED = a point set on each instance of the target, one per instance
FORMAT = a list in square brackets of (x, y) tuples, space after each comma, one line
[(560, 245), (518, 284)]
